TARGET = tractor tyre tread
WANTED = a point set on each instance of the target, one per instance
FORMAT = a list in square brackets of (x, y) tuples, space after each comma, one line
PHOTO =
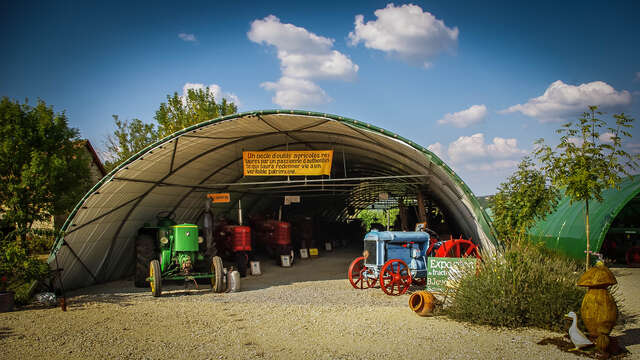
[(144, 254)]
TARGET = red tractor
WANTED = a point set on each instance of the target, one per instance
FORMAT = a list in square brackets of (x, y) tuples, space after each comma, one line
[(274, 237)]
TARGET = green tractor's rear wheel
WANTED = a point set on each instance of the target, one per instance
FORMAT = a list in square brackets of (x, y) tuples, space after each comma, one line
[(144, 254), (217, 283), (156, 282)]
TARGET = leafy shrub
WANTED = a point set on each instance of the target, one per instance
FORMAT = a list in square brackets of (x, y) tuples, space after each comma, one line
[(17, 266), (527, 285)]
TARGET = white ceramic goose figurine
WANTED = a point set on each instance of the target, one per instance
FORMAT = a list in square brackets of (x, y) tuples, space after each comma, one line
[(577, 337)]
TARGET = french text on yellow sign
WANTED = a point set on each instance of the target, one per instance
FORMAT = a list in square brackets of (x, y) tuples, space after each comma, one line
[(220, 197), (287, 163)]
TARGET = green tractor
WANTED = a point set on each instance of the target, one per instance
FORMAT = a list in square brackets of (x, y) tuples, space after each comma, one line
[(171, 251)]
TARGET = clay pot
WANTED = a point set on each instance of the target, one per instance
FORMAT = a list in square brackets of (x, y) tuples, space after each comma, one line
[(422, 302)]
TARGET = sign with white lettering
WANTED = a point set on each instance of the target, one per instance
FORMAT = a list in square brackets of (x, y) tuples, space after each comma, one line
[(440, 270)]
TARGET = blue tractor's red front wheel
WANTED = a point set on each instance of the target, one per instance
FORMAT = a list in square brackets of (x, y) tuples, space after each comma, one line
[(357, 274), (395, 278)]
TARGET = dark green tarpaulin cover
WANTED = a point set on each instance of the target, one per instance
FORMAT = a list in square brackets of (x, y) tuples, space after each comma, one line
[(564, 229)]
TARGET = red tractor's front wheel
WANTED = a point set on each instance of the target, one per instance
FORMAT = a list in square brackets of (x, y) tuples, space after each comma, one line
[(356, 274), (395, 278)]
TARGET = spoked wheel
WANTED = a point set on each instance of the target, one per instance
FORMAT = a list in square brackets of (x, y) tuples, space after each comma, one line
[(395, 278), (155, 274), (217, 284), (357, 274), (457, 249)]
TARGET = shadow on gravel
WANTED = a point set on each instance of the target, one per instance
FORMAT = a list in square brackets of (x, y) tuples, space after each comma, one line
[(328, 266), (563, 343), (6, 332), (630, 337)]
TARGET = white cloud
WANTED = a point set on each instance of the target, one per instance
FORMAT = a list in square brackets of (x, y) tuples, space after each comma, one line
[(187, 37), (292, 92), (575, 141), (492, 165), (303, 56), (561, 100), (606, 138), (214, 89), (467, 147), (465, 118), (473, 154), (436, 149), (406, 32), (504, 148)]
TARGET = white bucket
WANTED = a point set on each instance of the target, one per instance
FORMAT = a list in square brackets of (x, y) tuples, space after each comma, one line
[(285, 260), (233, 281), (255, 267), (328, 246), (304, 254)]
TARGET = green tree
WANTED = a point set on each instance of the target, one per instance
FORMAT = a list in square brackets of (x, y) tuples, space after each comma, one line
[(196, 106), (44, 168), (179, 112), (523, 199), (587, 161), (128, 138)]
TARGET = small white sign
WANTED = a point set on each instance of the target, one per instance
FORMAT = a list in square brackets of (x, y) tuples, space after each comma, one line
[(290, 199), (304, 254)]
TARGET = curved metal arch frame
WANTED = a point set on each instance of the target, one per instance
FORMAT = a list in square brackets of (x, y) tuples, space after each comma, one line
[(355, 125)]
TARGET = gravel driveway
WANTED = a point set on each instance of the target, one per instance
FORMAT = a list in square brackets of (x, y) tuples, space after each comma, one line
[(308, 311)]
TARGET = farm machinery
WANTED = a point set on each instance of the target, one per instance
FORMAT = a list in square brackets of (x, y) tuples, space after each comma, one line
[(235, 241), (398, 259), (274, 237), (171, 251)]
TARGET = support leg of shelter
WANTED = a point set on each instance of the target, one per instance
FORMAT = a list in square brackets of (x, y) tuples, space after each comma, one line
[(65, 243)]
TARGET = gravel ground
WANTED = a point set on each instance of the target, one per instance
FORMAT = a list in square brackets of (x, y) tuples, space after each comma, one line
[(308, 311)]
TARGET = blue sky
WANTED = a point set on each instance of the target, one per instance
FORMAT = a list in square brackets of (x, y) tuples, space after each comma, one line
[(478, 82)]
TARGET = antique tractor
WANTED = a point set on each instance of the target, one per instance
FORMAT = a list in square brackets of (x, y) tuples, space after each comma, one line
[(174, 252), (274, 237), (398, 259), (395, 258), (236, 240)]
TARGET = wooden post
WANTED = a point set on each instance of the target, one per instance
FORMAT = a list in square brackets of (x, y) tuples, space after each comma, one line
[(587, 223), (403, 214), (422, 213)]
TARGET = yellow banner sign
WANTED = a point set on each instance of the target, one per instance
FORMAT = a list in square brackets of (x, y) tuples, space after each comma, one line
[(287, 163), (220, 198)]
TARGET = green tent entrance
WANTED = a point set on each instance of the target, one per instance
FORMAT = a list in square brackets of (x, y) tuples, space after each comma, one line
[(614, 223)]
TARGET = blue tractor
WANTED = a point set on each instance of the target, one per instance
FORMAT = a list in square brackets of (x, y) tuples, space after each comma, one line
[(394, 258)]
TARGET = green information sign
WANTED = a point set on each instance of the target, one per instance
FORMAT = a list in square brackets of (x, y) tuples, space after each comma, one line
[(439, 271)]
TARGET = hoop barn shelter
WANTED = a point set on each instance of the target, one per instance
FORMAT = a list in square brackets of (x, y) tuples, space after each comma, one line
[(175, 174)]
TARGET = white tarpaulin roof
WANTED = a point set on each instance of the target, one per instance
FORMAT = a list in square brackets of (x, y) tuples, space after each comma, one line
[(174, 174)]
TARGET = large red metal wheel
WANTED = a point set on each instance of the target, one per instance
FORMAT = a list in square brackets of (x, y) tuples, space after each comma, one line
[(458, 248), (357, 272), (395, 278)]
